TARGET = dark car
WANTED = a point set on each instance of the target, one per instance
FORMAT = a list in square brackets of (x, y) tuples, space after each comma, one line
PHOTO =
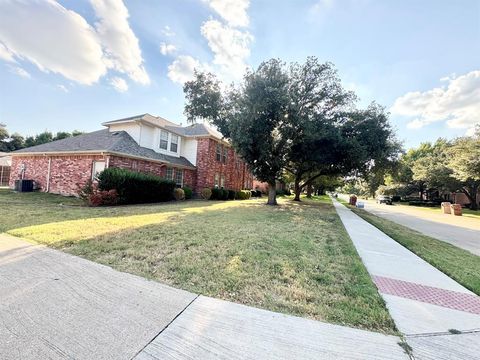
[(384, 199)]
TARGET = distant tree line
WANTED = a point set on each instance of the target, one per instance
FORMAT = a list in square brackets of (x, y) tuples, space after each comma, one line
[(15, 141), (428, 171)]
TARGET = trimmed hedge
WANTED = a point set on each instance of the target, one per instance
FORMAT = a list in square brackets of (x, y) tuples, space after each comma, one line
[(244, 194), (216, 194), (188, 192), (135, 187), (224, 194)]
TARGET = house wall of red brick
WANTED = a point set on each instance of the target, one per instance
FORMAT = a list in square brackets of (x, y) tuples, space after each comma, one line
[(66, 174), (237, 175), (146, 166)]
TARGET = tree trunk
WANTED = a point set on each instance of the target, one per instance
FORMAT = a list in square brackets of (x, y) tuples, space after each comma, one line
[(309, 191), (472, 196), (297, 189), (272, 195)]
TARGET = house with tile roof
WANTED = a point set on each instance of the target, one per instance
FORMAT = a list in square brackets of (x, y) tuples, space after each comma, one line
[(196, 156)]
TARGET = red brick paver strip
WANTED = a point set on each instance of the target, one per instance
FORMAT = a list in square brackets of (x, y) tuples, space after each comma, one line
[(428, 294)]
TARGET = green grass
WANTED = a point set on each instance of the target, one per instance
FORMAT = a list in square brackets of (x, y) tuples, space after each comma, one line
[(459, 264), (295, 258)]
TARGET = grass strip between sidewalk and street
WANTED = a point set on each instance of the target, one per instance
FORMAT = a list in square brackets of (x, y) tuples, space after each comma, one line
[(461, 265)]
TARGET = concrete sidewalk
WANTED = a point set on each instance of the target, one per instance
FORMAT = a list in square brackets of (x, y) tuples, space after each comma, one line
[(425, 304), (57, 306)]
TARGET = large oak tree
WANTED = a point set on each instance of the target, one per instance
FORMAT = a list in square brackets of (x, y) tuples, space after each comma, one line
[(296, 118)]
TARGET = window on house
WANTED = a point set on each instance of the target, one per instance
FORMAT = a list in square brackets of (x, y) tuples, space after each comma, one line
[(163, 139), (222, 181), (174, 143), (179, 177), (217, 180), (225, 154), (169, 174), (98, 167), (219, 152)]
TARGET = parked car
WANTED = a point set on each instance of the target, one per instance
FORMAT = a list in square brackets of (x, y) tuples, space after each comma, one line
[(384, 199)]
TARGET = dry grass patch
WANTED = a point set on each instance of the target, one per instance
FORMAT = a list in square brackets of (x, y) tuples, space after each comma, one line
[(294, 258)]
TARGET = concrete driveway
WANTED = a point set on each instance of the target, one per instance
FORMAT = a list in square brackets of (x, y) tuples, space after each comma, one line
[(460, 231), (57, 306)]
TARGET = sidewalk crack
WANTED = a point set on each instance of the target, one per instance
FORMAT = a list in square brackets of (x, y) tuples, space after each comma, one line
[(166, 326)]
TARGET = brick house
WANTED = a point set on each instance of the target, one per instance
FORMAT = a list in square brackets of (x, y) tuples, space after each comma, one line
[(196, 156)]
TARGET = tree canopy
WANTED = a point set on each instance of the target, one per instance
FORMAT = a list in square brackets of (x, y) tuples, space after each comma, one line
[(295, 118), (16, 141)]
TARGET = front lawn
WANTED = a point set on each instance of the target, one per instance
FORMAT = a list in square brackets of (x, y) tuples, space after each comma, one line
[(294, 258), (461, 265)]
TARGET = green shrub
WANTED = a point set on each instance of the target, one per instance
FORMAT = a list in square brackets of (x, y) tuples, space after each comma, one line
[(244, 194), (216, 194), (134, 187), (188, 192), (224, 194), (179, 194), (231, 194), (206, 193)]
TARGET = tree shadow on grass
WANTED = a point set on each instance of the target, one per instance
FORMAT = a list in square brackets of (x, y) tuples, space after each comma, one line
[(284, 258)]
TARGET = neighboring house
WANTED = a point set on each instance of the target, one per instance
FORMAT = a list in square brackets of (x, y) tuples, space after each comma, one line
[(196, 156), (5, 165)]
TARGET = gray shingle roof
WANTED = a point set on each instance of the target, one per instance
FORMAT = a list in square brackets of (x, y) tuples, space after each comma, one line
[(105, 141), (196, 130)]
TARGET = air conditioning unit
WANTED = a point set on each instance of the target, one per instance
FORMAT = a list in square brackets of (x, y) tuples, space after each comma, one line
[(24, 185)]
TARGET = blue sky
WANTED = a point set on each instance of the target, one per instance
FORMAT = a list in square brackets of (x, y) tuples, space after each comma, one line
[(75, 64)]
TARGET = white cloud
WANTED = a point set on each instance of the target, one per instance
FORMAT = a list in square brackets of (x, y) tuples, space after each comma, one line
[(61, 41), (231, 47), (119, 84), (53, 38), (120, 43), (167, 31), (181, 70), (320, 6), (167, 49), (234, 12), (457, 103), (5, 54), (17, 70), (63, 88)]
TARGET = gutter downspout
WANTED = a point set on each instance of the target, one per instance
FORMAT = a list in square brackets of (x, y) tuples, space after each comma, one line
[(48, 174)]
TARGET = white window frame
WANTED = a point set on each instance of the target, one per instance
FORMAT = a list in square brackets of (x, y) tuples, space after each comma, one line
[(217, 180), (163, 133), (169, 173), (178, 171), (172, 142), (218, 152), (97, 168), (225, 154), (222, 181)]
